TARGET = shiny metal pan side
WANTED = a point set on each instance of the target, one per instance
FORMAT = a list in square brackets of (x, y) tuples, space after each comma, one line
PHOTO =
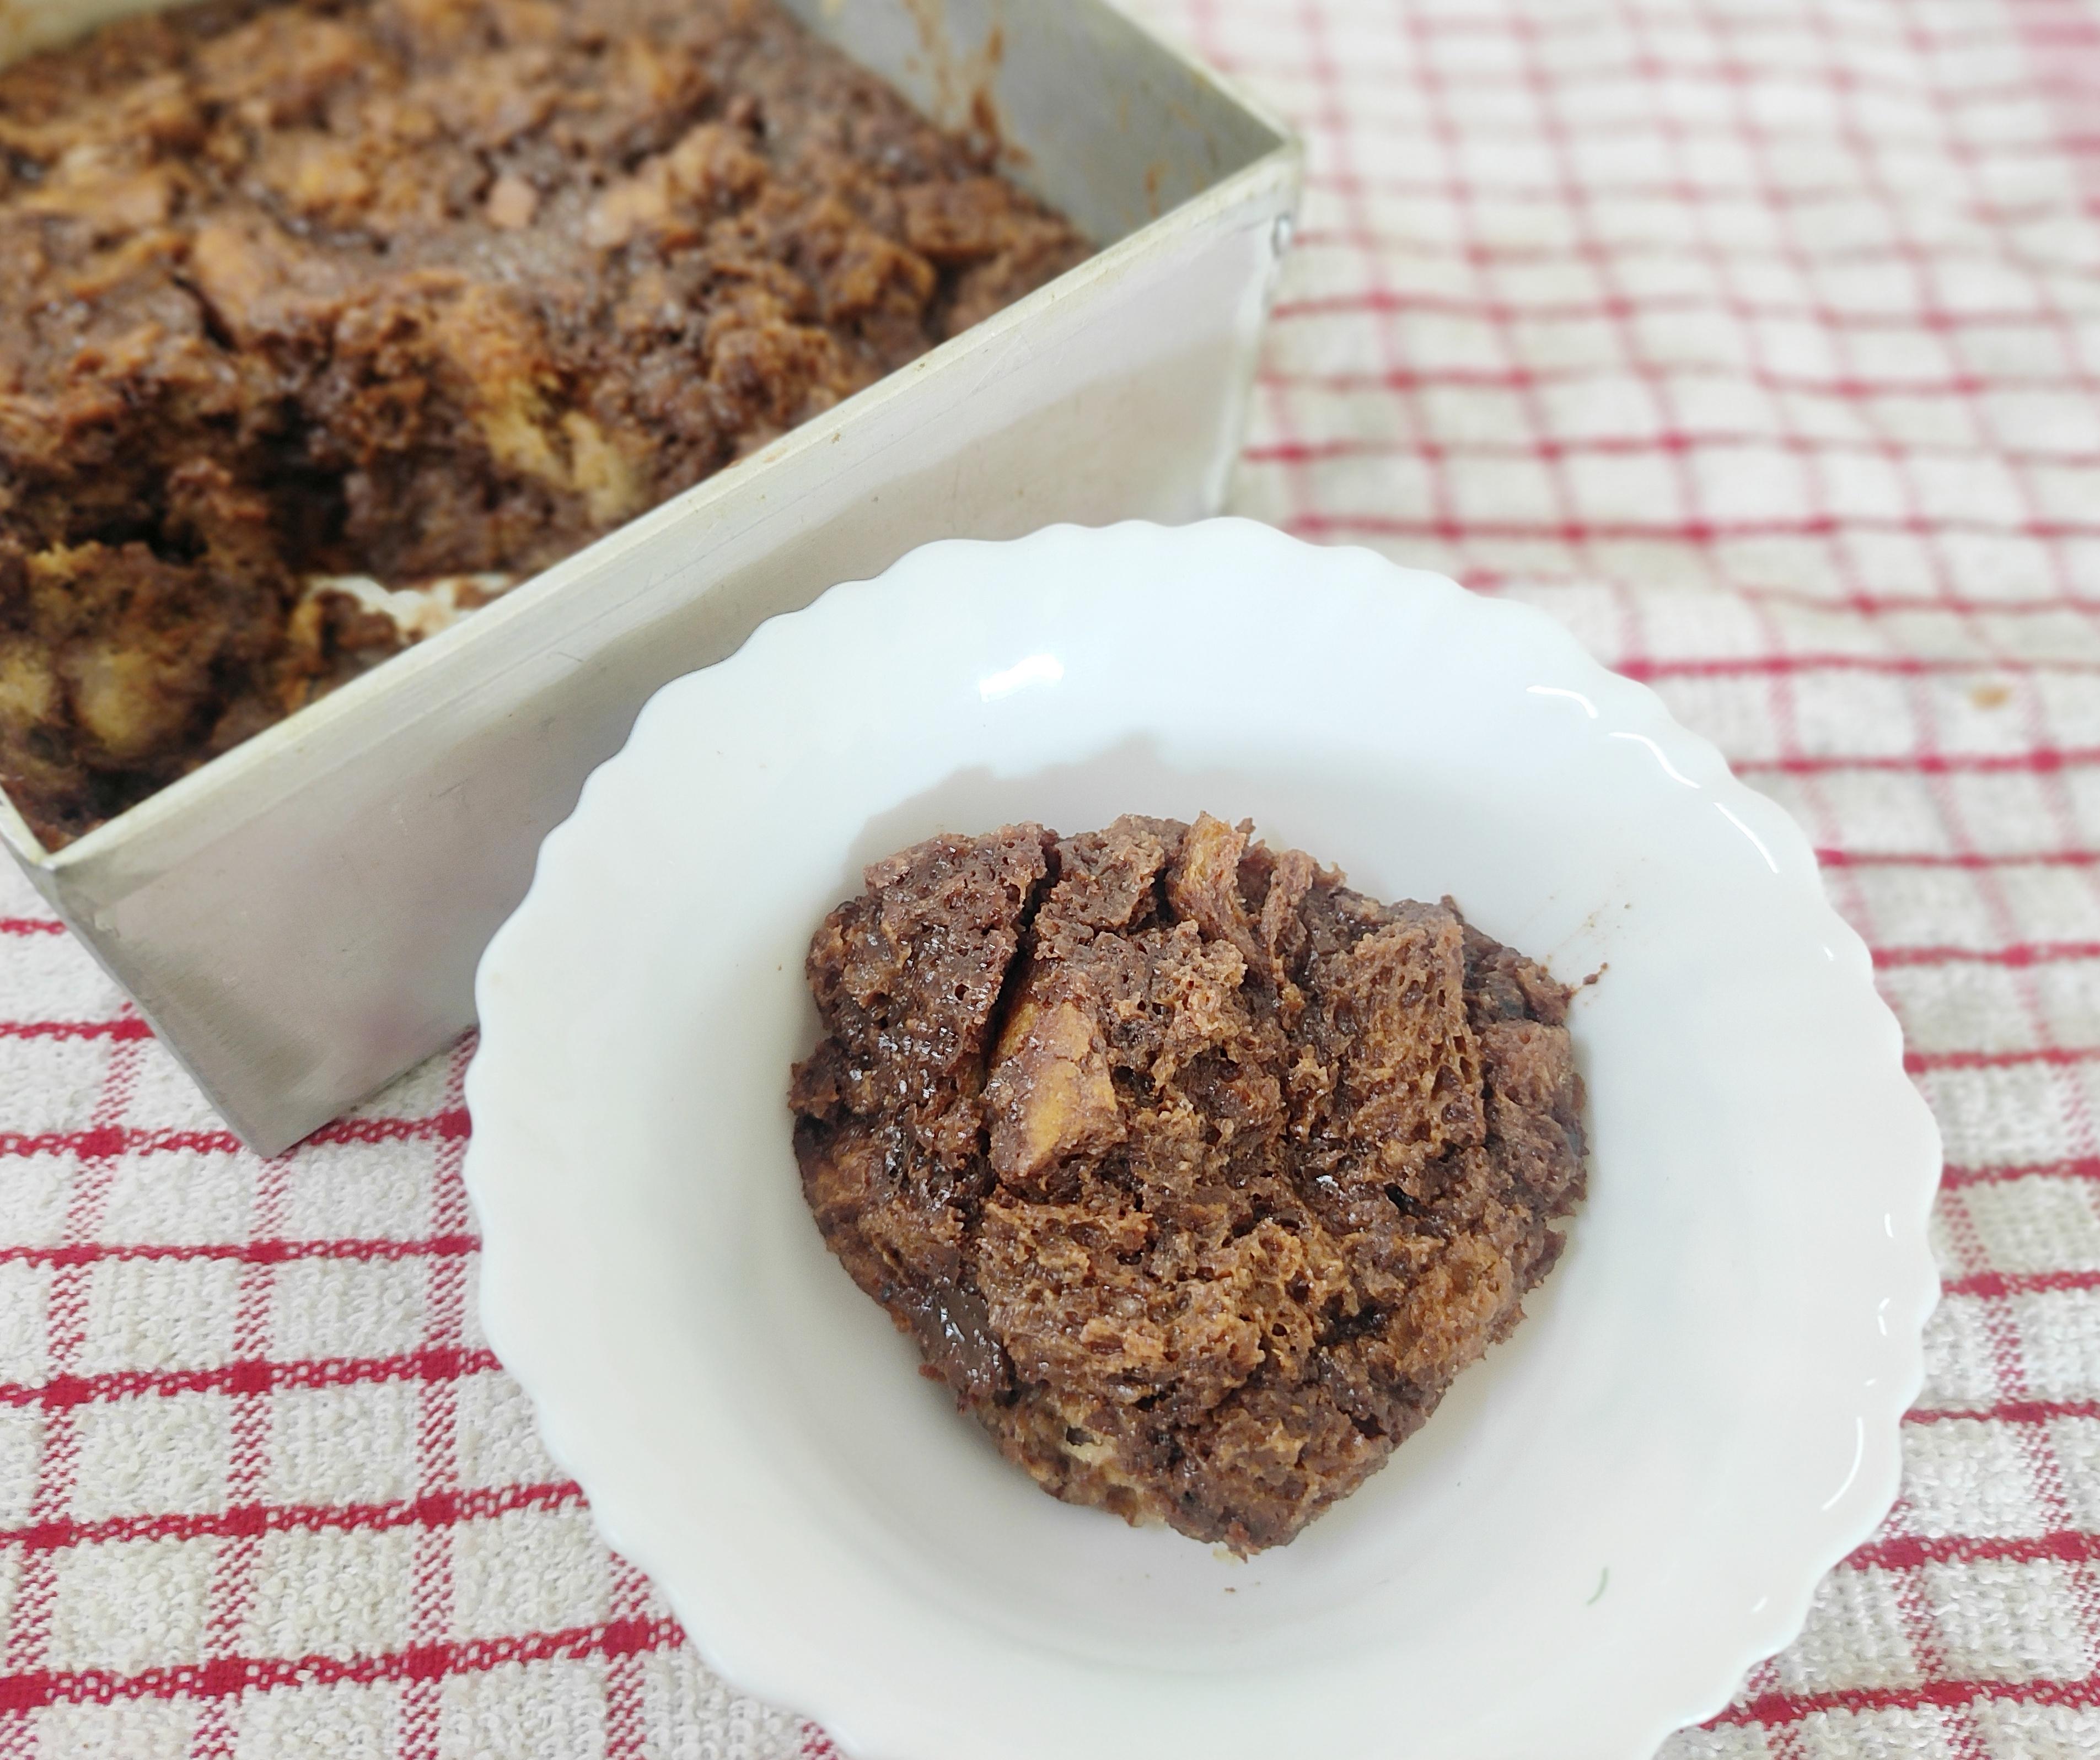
[(300, 919)]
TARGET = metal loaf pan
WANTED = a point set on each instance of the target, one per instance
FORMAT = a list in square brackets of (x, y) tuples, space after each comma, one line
[(300, 919)]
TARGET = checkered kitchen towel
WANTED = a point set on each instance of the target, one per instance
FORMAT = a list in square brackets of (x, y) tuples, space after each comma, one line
[(1757, 340)]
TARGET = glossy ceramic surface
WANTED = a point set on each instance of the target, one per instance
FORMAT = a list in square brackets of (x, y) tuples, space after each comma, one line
[(1606, 1520)]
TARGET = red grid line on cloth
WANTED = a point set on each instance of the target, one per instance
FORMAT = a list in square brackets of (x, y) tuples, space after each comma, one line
[(65, 1326), (1998, 1284), (1721, 73), (234, 1560), (1929, 763), (1653, 189), (2068, 1168), (1908, 1551), (1891, 604), (428, 1665), (1618, 307), (437, 1441), (1623, 445), (1492, 26), (1960, 387), (438, 1511), (1917, 1061), (110, 1139), (626, 1718), (1970, 860), (1579, 532), (1894, 665), (269, 1252), (2017, 954), (1773, 1711), (428, 1367), (1401, 244), (2006, 1412), (450, 1123), (125, 1027)]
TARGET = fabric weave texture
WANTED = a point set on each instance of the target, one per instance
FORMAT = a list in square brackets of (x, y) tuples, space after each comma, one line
[(1756, 341)]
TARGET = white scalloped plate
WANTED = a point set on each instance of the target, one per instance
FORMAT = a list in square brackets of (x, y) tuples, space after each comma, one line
[(1605, 1522)]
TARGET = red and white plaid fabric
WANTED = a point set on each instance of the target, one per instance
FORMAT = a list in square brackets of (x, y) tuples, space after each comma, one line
[(1759, 341)]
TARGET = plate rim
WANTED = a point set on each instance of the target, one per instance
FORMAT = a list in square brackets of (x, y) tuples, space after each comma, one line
[(867, 1732)]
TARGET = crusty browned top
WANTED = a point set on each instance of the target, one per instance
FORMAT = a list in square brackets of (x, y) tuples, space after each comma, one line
[(1197, 1176), (412, 289)]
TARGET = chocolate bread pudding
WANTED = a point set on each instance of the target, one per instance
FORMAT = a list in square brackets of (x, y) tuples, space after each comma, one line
[(1195, 1175), (404, 290)]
